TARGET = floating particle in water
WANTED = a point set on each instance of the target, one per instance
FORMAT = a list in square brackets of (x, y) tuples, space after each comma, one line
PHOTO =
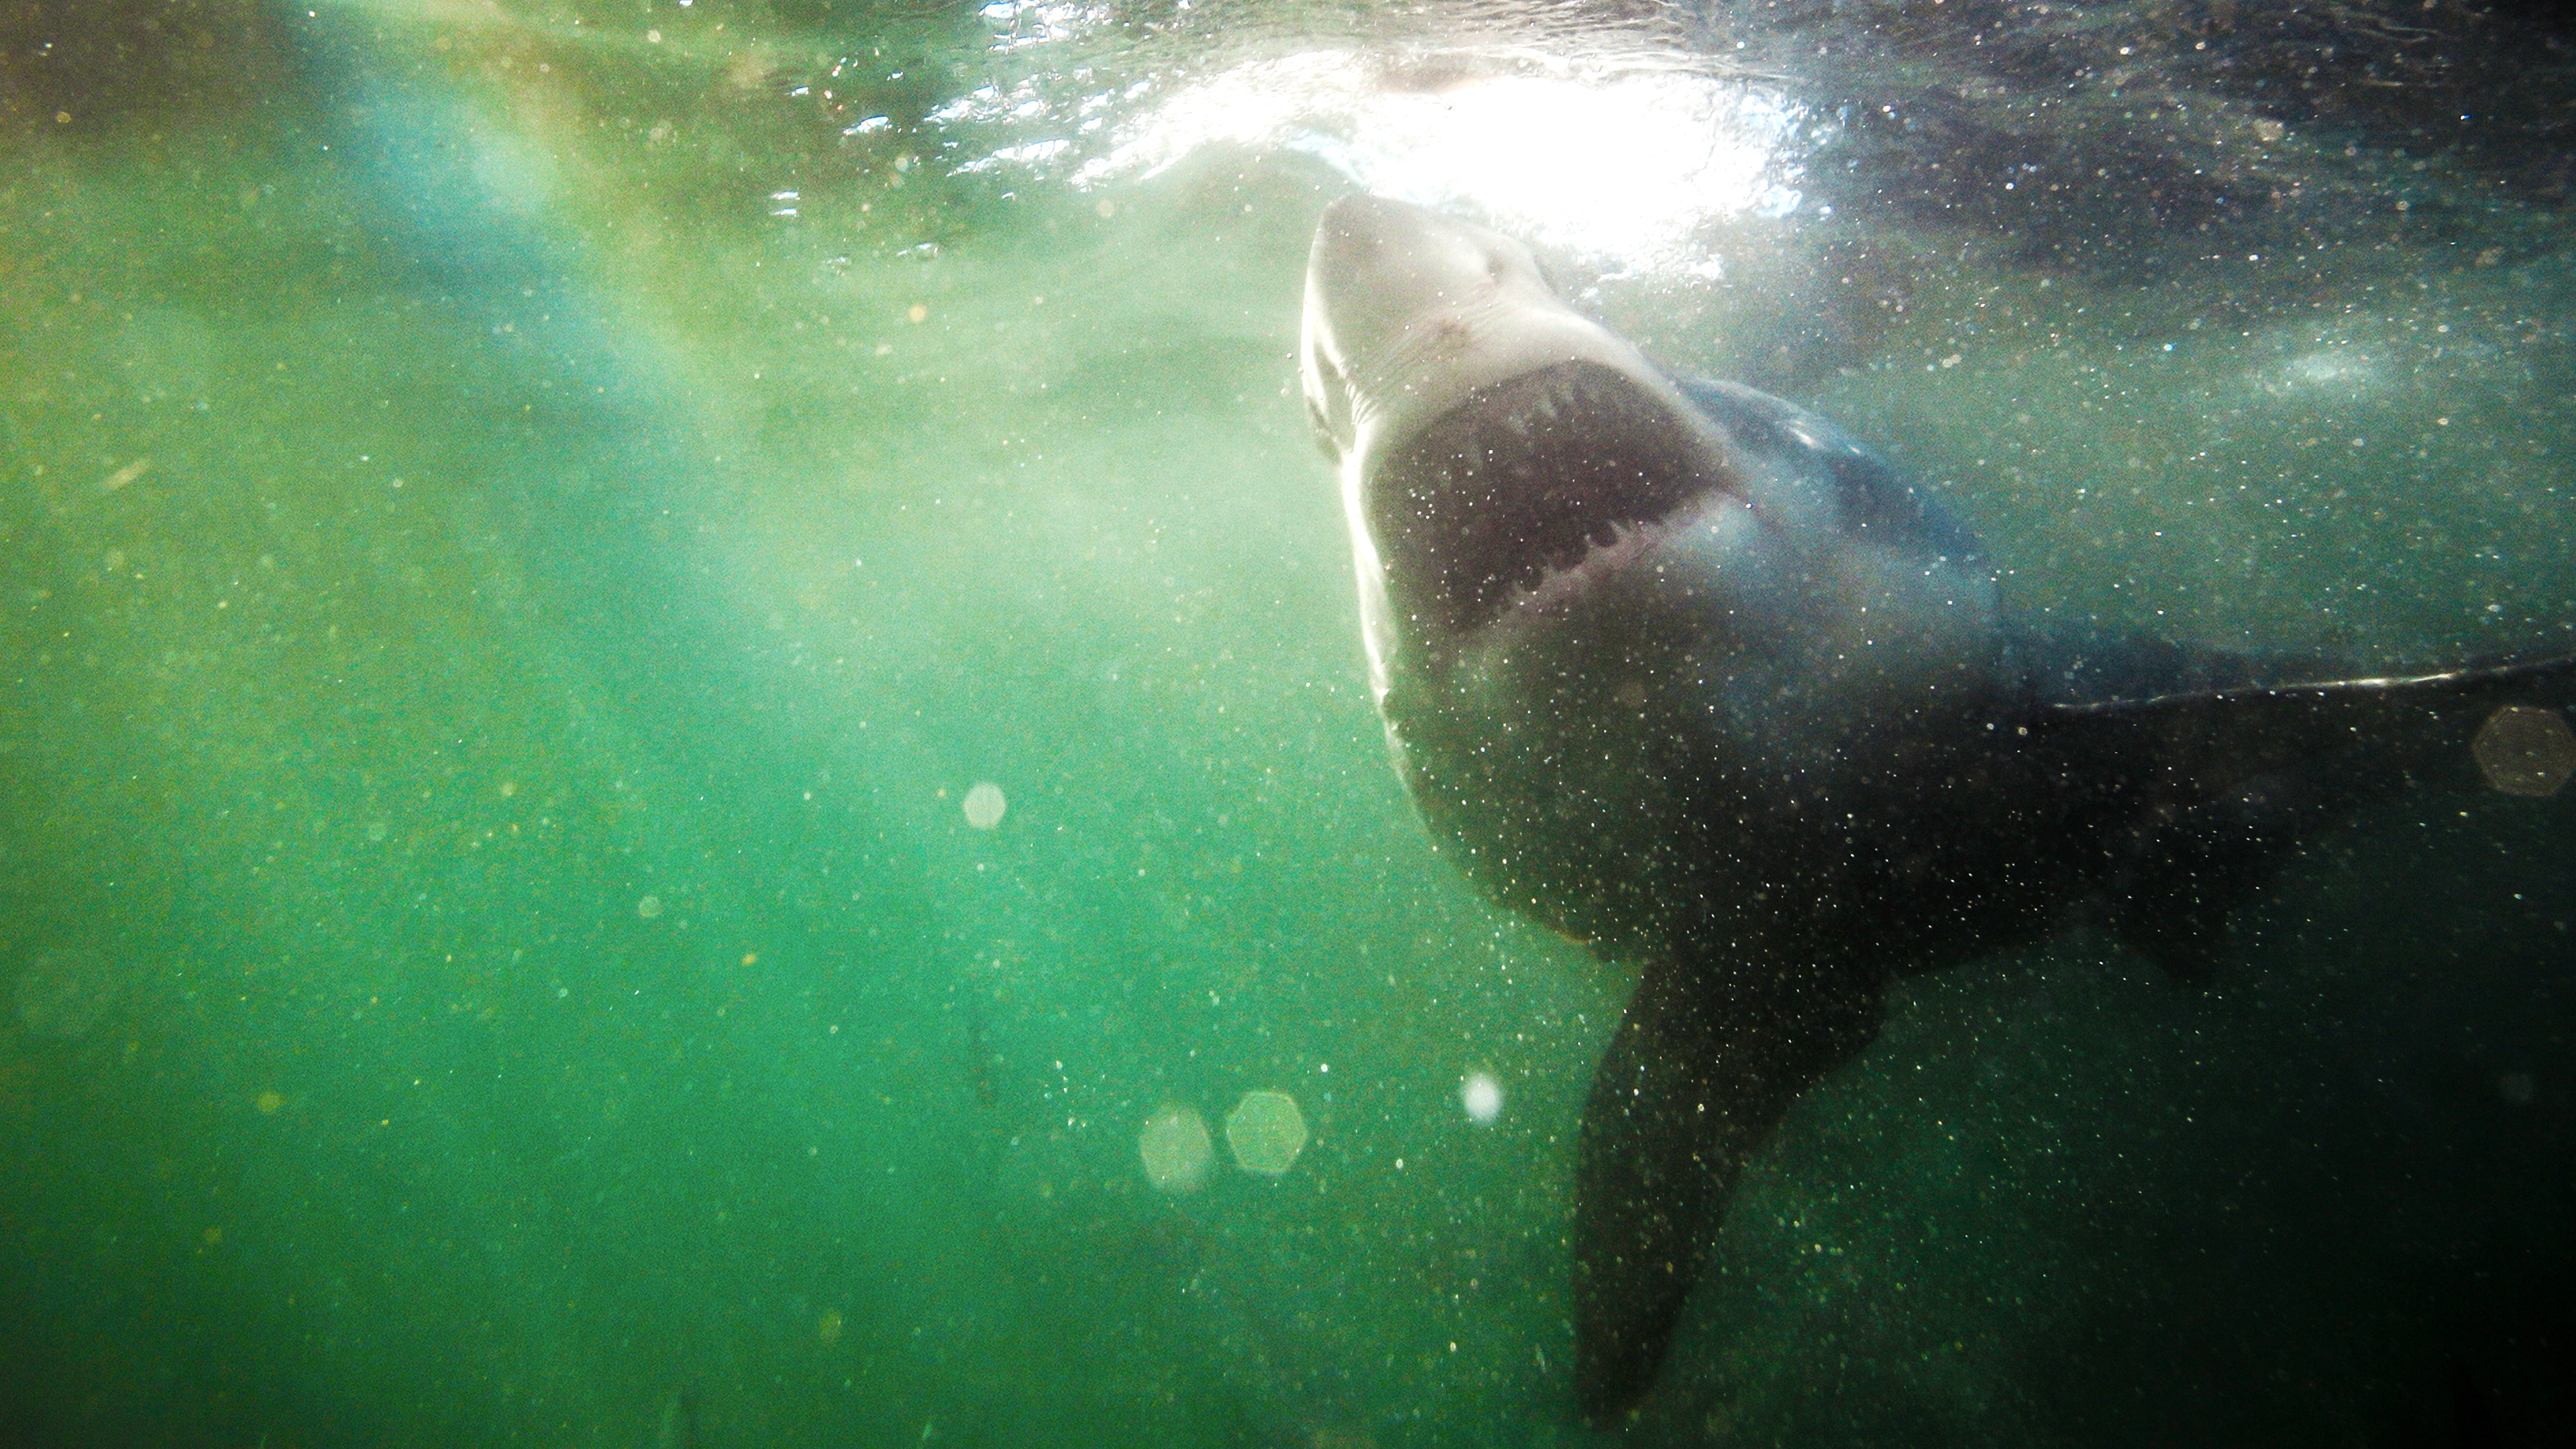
[(1176, 1149), (1482, 1096), (2517, 1088), (1266, 1131), (64, 991), (649, 908), (827, 1329), (984, 805), (269, 1102), (2526, 751)]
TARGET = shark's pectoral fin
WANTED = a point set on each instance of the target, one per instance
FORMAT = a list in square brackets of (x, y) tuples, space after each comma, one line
[(1651, 1166), (1700, 1071), (2354, 734)]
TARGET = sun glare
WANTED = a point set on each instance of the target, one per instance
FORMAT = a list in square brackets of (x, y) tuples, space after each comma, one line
[(1624, 161)]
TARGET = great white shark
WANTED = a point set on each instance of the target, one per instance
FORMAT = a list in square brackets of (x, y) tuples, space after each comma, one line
[(1684, 672)]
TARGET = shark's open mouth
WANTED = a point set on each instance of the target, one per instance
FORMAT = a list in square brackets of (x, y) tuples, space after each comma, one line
[(1526, 477)]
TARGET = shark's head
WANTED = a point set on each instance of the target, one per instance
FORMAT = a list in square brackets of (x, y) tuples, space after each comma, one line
[(1406, 313), (1490, 437)]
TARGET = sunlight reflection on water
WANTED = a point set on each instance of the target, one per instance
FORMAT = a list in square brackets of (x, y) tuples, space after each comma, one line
[(1627, 158)]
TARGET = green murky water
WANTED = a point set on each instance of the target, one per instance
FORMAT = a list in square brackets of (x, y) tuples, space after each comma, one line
[(682, 719)]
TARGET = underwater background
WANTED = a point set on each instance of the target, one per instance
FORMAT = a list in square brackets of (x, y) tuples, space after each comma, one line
[(684, 757)]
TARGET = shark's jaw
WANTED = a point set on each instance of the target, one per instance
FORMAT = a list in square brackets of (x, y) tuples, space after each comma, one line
[(1526, 488), (1499, 451)]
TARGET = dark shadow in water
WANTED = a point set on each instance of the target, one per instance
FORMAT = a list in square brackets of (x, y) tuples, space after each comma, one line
[(2128, 138)]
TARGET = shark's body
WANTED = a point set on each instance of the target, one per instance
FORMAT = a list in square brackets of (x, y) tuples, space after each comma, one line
[(1684, 672)]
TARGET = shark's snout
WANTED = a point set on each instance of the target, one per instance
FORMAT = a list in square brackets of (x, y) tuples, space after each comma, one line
[(1355, 229)]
